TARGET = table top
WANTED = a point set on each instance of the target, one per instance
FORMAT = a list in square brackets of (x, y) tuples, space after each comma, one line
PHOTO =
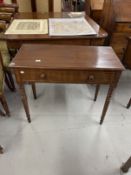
[(100, 32), (66, 57)]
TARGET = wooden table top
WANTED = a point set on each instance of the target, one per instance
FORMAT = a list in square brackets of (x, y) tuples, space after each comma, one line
[(100, 32), (66, 57)]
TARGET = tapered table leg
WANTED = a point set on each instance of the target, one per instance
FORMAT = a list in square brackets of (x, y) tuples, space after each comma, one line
[(107, 101), (96, 92), (126, 165), (34, 90), (129, 103), (24, 101)]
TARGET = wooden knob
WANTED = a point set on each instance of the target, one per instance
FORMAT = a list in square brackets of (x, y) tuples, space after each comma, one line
[(91, 77), (42, 75)]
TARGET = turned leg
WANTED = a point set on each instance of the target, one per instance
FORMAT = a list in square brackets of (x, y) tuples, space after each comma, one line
[(34, 90), (129, 103), (126, 165), (24, 101), (107, 101), (4, 104), (1, 150), (96, 92)]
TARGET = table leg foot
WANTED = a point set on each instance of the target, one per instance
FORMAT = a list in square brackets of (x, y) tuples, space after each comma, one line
[(129, 104), (1, 150), (34, 90), (125, 167), (96, 92), (107, 101)]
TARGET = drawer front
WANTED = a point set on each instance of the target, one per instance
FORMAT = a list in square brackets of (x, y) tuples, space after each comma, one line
[(123, 27), (64, 76)]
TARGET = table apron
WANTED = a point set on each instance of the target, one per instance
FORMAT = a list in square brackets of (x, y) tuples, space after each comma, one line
[(24, 75)]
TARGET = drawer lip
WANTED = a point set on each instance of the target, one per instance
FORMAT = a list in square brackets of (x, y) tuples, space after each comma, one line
[(70, 69)]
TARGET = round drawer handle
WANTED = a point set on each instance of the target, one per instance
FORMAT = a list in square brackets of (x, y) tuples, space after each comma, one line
[(42, 75), (91, 77)]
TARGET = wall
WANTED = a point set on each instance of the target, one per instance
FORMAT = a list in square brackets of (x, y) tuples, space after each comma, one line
[(42, 5)]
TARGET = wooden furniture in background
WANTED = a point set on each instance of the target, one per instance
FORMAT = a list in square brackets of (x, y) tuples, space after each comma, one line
[(102, 12), (127, 56), (122, 30), (15, 41), (96, 9), (7, 11), (5, 58), (2, 96), (33, 5), (50, 5), (6, 16), (88, 7), (9, 7), (14, 1), (53, 64), (126, 166), (107, 21), (121, 12)]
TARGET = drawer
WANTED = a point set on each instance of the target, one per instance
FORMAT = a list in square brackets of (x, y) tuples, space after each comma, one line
[(123, 27), (64, 76)]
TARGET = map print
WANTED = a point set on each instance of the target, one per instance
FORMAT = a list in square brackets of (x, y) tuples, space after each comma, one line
[(70, 27)]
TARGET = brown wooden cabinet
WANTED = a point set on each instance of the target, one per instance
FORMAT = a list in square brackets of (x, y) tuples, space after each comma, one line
[(122, 17), (127, 56), (122, 28), (96, 9)]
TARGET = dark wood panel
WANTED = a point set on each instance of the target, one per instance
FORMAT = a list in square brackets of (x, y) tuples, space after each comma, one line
[(33, 5), (14, 1), (127, 57), (50, 5)]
